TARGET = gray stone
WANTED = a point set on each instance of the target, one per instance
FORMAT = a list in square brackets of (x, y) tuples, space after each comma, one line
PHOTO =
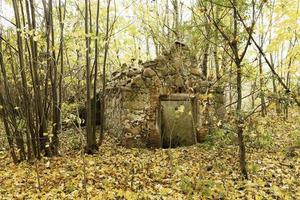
[(133, 72), (179, 82), (137, 81), (149, 73), (195, 72)]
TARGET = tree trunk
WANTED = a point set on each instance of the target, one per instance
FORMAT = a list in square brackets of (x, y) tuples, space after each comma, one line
[(10, 111), (3, 109), (206, 50), (220, 96), (26, 101), (205, 60), (176, 19), (91, 146), (106, 48), (9, 136), (54, 142), (275, 91), (61, 47), (95, 100), (239, 120), (261, 84)]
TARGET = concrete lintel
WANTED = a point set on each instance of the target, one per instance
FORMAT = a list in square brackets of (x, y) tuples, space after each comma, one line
[(177, 97)]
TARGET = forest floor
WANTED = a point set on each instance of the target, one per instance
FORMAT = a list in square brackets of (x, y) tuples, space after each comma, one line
[(204, 171)]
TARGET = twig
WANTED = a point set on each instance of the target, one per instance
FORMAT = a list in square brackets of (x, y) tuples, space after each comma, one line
[(37, 175), (8, 43)]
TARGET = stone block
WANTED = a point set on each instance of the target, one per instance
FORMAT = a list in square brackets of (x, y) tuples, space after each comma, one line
[(148, 73)]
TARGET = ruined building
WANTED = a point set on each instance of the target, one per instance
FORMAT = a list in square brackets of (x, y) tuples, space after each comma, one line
[(163, 103)]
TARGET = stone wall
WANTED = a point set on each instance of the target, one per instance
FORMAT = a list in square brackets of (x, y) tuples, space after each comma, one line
[(134, 97)]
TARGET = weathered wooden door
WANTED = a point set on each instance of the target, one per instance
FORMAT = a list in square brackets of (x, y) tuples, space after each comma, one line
[(177, 122)]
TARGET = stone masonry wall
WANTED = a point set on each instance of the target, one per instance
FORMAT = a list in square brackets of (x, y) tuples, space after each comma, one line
[(133, 96)]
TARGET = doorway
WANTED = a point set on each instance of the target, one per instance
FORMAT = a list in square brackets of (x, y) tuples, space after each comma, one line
[(177, 117)]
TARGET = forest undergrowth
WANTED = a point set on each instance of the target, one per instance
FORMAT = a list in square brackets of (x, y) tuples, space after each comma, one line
[(209, 170)]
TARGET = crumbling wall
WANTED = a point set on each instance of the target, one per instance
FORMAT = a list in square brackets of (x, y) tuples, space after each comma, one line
[(127, 115), (133, 97)]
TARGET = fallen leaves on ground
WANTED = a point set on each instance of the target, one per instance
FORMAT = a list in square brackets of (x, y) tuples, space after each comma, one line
[(202, 171)]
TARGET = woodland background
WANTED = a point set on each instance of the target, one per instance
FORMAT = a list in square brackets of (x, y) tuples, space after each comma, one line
[(56, 56)]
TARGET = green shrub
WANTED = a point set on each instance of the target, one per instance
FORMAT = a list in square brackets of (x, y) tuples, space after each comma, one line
[(221, 137)]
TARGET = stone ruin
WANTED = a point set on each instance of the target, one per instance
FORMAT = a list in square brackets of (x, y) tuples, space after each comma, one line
[(164, 103)]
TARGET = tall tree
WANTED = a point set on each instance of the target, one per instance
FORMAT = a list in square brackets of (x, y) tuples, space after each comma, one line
[(35, 139), (261, 79), (3, 103), (238, 49), (95, 99), (106, 48), (62, 16), (91, 146)]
